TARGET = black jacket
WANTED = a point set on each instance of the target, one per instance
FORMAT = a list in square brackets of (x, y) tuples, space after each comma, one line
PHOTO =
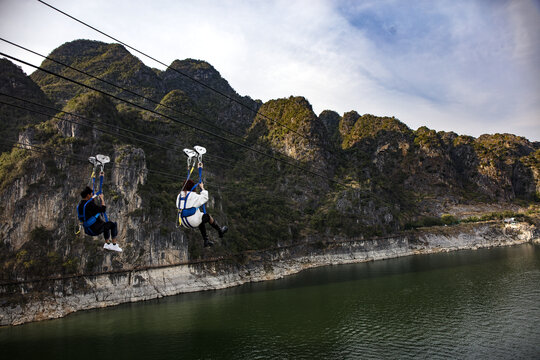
[(92, 209)]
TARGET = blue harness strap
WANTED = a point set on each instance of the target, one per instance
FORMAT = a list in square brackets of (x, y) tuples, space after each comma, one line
[(187, 212), (87, 223), (93, 176), (99, 192), (200, 179)]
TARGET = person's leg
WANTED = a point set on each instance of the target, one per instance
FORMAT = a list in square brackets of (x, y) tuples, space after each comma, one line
[(99, 228), (111, 228), (221, 230), (202, 229), (106, 231), (114, 231)]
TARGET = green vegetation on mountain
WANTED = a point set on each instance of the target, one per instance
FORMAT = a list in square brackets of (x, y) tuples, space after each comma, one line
[(14, 82), (111, 62), (395, 178), (291, 127), (370, 127)]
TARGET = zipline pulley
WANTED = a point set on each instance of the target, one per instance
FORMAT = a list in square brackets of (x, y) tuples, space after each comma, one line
[(193, 157)]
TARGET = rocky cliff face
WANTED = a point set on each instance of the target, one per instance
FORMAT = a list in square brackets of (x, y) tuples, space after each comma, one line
[(38, 224), (291, 127), (374, 175), (41, 191), (87, 292)]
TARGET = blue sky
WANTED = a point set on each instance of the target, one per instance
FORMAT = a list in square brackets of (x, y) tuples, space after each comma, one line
[(468, 66)]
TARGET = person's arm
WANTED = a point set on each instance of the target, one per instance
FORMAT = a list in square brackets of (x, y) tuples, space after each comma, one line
[(97, 208), (202, 198), (196, 200)]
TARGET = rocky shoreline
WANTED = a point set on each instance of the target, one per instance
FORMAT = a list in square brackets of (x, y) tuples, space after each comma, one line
[(36, 301)]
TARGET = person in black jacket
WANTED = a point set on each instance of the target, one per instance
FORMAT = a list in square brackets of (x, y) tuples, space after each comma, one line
[(108, 228)]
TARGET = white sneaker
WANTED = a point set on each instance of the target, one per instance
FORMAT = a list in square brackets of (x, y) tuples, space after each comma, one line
[(108, 246), (115, 247)]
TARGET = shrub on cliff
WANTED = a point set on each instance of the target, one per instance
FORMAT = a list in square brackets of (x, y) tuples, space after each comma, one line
[(448, 219)]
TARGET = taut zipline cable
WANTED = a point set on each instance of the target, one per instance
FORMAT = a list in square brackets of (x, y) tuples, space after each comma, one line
[(176, 70), (118, 87), (211, 158), (92, 121), (176, 120), (132, 92), (170, 176)]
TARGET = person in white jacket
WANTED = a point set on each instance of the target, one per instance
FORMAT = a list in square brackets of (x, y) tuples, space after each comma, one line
[(192, 216)]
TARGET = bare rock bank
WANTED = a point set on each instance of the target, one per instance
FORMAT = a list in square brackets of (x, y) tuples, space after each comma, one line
[(40, 300)]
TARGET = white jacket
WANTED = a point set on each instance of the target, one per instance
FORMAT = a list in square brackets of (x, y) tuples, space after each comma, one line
[(194, 200)]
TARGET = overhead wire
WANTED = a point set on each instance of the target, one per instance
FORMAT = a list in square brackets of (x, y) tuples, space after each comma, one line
[(212, 157), (171, 176), (230, 98), (158, 103), (44, 150), (127, 90), (176, 120), (78, 123), (248, 173), (209, 157)]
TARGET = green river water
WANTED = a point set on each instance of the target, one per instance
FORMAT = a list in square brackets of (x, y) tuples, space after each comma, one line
[(481, 304)]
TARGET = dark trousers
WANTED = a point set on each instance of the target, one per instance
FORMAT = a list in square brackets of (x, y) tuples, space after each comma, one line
[(202, 226), (107, 228)]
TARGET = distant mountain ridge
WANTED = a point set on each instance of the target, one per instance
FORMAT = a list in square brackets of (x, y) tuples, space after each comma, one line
[(112, 62)]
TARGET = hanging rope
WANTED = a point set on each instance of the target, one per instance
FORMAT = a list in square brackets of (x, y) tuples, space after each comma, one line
[(185, 213)]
